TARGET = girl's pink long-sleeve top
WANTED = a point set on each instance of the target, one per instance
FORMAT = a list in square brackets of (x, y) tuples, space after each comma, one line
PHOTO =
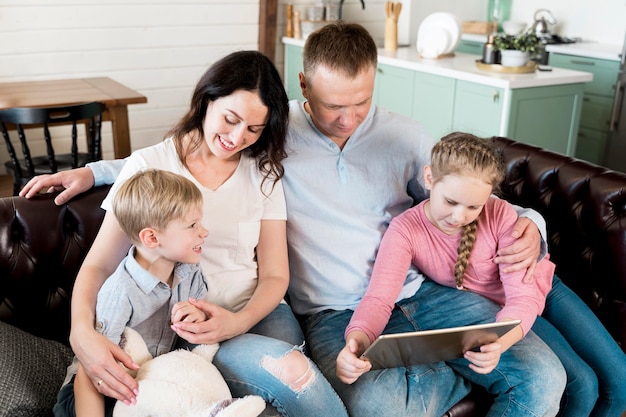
[(412, 238)]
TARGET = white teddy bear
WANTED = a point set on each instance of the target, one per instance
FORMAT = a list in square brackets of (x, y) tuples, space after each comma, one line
[(182, 383)]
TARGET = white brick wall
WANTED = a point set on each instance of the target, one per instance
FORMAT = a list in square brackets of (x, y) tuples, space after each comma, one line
[(157, 47)]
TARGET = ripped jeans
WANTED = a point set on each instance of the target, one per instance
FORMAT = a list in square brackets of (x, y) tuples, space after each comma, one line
[(267, 362)]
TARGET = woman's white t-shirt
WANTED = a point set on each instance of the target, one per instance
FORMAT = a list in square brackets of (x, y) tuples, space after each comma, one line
[(232, 215)]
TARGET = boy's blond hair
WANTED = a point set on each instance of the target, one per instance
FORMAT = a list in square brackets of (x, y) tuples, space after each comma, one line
[(153, 198)]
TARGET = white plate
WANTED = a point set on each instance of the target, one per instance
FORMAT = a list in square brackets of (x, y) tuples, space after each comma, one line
[(438, 34)]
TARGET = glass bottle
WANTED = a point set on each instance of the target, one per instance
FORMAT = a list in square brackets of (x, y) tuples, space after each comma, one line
[(498, 11), (490, 55)]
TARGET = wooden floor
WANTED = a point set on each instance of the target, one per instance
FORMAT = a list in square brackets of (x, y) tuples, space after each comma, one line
[(6, 185)]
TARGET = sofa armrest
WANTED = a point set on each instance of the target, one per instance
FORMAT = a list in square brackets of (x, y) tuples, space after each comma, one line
[(585, 209), (41, 248)]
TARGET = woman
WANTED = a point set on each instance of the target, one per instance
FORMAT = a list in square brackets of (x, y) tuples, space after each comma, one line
[(230, 144)]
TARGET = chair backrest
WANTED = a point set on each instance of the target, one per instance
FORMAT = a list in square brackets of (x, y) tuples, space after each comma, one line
[(23, 118)]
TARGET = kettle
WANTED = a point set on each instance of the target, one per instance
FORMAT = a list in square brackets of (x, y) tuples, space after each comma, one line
[(540, 27)]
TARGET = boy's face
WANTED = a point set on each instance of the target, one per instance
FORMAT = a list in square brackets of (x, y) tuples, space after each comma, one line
[(182, 239), (338, 103)]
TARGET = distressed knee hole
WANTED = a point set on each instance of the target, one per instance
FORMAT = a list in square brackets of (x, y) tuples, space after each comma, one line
[(293, 369)]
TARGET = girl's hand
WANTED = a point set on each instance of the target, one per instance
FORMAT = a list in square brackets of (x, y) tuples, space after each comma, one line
[(220, 325), (486, 360), (187, 312), (349, 365)]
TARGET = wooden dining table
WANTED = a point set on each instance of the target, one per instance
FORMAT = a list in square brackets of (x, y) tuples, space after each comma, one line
[(49, 93)]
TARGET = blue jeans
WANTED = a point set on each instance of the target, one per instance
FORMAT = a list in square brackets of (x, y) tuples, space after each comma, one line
[(240, 362), (595, 364), (528, 381)]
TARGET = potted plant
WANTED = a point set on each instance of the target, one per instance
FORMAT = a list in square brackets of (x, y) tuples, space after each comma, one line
[(515, 50)]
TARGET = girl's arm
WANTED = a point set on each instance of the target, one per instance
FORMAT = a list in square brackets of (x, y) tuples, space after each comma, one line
[(96, 353)]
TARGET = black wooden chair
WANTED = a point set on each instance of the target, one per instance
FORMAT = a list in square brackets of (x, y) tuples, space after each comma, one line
[(29, 165)]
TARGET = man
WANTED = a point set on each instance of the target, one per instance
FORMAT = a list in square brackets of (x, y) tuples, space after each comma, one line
[(350, 168)]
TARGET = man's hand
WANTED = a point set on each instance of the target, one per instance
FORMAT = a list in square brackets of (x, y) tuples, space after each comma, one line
[(72, 182), (524, 252)]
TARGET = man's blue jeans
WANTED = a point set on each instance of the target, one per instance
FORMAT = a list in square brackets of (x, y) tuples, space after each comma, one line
[(528, 381), (594, 362)]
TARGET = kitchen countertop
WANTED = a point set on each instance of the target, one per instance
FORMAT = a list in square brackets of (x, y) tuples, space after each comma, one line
[(583, 48), (463, 67), (588, 49)]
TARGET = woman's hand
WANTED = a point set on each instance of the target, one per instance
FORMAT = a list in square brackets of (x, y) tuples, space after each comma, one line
[(99, 357), (72, 182), (220, 325), (349, 365), (486, 360), (522, 254)]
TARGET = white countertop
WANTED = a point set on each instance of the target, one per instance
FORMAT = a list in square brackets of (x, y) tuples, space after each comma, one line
[(583, 48), (463, 67), (588, 49)]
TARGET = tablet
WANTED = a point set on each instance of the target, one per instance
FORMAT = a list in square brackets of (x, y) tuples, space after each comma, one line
[(413, 348)]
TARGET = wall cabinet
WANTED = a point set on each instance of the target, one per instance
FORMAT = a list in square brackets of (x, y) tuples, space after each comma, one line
[(545, 116), (597, 102)]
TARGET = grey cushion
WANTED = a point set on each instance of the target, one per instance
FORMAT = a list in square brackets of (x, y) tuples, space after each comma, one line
[(32, 370)]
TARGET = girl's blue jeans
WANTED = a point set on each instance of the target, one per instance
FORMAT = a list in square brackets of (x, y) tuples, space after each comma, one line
[(528, 381)]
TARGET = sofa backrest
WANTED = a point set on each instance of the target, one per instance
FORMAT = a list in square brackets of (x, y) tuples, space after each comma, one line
[(585, 209)]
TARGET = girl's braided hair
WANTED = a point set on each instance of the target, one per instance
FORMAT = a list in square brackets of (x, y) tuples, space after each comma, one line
[(466, 155)]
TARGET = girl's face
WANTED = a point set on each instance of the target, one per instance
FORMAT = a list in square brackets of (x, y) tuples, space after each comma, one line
[(233, 123), (455, 200), (182, 239)]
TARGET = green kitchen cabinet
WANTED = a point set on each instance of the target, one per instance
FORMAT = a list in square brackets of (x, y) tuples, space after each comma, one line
[(293, 67), (597, 103), (393, 87), (477, 108), (547, 117), (433, 102)]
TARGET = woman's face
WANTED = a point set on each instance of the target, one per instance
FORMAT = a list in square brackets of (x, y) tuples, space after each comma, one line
[(234, 122)]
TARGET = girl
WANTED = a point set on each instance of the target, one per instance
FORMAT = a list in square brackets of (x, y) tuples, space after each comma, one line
[(462, 226)]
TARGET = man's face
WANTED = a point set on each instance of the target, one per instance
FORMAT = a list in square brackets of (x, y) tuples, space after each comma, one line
[(338, 103)]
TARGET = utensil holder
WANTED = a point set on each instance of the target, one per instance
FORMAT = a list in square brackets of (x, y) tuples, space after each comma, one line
[(391, 34)]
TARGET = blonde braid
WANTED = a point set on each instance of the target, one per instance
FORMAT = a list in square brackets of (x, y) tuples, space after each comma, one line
[(465, 247)]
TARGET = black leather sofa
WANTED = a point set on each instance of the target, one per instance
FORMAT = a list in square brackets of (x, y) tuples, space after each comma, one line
[(42, 247)]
